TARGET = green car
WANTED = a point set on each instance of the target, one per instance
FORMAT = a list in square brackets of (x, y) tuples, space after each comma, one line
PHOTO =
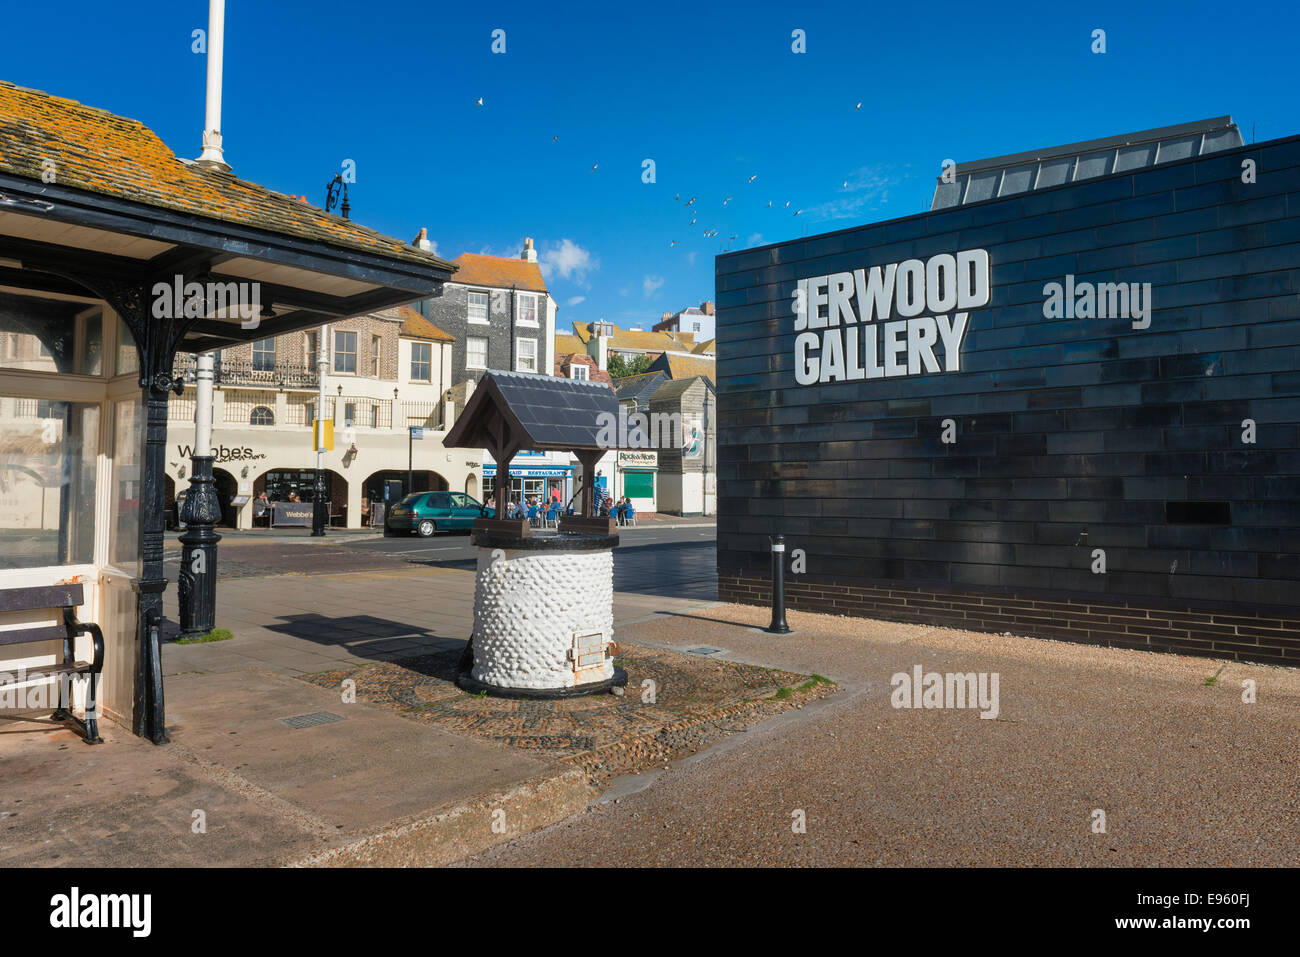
[(430, 512)]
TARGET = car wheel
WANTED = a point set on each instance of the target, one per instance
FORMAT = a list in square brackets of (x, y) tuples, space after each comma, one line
[(426, 528)]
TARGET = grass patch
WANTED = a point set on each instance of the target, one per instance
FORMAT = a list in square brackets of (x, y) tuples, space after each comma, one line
[(1213, 679), (216, 634), (783, 693)]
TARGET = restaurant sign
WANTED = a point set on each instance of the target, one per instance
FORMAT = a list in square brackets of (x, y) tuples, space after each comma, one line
[(904, 319), (224, 453), (638, 459)]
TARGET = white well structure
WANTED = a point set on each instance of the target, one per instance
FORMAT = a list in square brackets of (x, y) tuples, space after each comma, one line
[(543, 600), (543, 615)]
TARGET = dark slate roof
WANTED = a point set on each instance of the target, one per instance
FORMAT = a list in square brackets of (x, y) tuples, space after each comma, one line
[(639, 387), (552, 412), (675, 387), (1004, 176)]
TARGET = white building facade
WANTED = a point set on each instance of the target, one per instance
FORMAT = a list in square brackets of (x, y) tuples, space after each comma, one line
[(386, 374)]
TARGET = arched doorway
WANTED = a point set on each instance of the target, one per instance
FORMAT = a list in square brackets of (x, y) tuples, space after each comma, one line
[(471, 485), (422, 480), (226, 486), (299, 484)]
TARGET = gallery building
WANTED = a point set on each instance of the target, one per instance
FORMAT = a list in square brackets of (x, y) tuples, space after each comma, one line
[(1063, 403)]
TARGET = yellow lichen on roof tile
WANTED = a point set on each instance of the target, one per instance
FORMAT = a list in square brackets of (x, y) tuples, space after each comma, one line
[(684, 367), (97, 151), (500, 272)]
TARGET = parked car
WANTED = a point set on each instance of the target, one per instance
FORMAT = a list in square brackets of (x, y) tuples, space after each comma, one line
[(426, 513)]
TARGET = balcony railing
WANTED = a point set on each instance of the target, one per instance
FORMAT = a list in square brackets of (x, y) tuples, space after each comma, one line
[(284, 375)]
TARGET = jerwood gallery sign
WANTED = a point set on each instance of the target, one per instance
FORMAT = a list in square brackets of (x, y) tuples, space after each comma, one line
[(883, 322)]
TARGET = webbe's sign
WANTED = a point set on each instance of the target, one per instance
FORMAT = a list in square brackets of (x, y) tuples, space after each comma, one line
[(888, 321)]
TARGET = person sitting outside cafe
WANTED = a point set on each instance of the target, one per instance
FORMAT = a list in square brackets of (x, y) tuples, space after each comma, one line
[(262, 510)]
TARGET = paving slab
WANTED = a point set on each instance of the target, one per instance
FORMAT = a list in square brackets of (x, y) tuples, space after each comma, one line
[(367, 769)]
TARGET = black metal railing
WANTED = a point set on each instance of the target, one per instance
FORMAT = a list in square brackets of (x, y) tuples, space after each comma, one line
[(282, 375)]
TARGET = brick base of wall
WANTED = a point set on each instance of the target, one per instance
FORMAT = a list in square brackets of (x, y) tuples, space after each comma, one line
[(1240, 635)]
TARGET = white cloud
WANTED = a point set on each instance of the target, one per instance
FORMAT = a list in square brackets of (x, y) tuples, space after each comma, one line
[(868, 190), (755, 239), (690, 257), (575, 300), (568, 260), (650, 285)]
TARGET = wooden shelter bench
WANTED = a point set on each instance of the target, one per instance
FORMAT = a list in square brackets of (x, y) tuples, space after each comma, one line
[(67, 598)]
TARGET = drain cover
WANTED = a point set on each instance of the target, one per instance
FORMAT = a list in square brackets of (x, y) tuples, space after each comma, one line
[(705, 650), (311, 720)]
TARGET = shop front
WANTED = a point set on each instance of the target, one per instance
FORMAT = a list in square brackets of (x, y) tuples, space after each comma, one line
[(277, 461), (1063, 403), (637, 478), (537, 476)]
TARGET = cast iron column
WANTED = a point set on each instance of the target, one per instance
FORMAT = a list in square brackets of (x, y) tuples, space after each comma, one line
[(196, 584), (150, 714), (157, 334)]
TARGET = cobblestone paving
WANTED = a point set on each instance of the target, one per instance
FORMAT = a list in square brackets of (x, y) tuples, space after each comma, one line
[(259, 559), (697, 700)]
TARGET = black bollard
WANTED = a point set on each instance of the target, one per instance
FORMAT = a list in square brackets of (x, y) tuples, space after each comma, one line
[(778, 626)]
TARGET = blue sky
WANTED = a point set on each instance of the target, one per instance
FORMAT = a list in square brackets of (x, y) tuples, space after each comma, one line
[(712, 92)]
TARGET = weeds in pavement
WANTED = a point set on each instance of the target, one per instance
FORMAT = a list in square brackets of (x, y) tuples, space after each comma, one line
[(216, 634)]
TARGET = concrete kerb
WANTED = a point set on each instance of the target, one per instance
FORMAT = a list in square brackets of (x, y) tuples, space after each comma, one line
[(465, 829)]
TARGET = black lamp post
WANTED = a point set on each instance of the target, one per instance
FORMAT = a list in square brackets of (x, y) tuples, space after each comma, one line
[(196, 586)]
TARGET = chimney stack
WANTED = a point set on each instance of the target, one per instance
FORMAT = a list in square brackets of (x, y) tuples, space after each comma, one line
[(529, 254), (707, 307), (212, 156), (421, 241)]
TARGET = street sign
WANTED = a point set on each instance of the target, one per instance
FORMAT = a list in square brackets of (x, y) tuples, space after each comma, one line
[(417, 433)]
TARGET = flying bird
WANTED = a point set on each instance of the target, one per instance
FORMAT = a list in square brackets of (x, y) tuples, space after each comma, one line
[(798, 211), (754, 177), (858, 107), (673, 243), (555, 139), (594, 165), (787, 204), (676, 197), (769, 204), (480, 101), (726, 201), (845, 185)]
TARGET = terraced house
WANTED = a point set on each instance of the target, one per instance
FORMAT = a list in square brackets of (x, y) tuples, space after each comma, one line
[(385, 373)]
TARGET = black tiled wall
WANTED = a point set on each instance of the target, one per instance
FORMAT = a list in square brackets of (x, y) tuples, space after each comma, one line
[(1073, 434)]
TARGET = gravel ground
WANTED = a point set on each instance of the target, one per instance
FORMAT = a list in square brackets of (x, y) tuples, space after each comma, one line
[(1186, 774)]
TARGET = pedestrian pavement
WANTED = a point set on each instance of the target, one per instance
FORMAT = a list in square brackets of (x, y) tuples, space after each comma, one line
[(248, 777), (1097, 757), (268, 767), (297, 624)]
